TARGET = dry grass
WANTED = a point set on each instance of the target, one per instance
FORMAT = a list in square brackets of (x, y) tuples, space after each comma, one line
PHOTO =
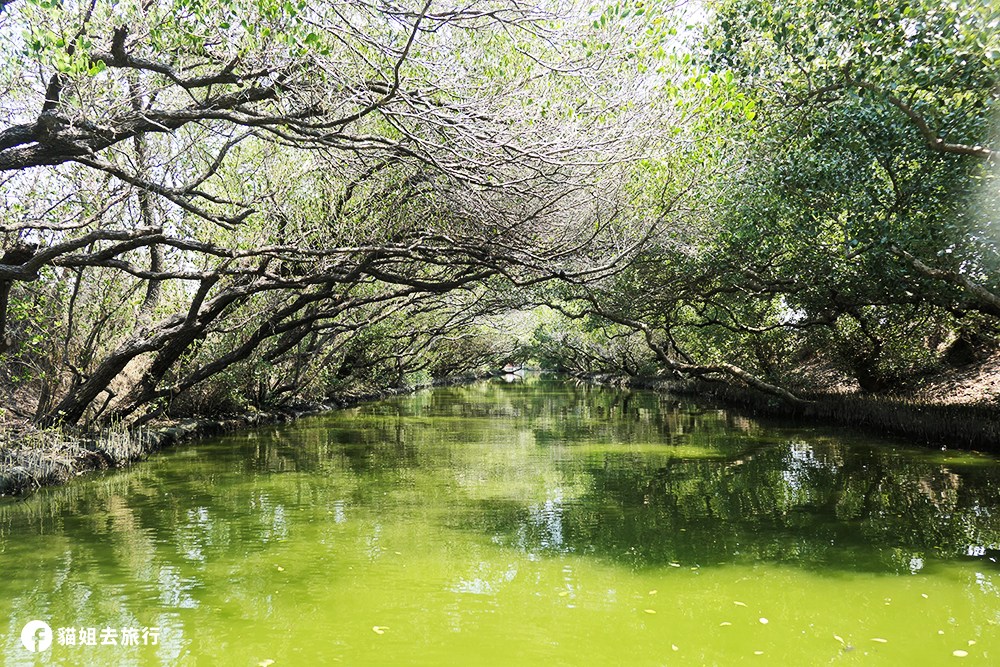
[(31, 457)]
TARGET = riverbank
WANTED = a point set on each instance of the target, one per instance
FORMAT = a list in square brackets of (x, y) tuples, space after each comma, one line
[(953, 425), (31, 458), (957, 409)]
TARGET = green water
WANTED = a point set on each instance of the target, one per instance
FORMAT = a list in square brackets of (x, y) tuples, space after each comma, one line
[(532, 524)]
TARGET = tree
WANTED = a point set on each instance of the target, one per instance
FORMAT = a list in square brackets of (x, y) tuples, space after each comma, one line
[(288, 167), (841, 150)]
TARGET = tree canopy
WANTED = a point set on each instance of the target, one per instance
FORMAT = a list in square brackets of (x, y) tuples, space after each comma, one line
[(210, 204)]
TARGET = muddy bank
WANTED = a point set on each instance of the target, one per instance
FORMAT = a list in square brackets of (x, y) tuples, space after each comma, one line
[(943, 423), (31, 458)]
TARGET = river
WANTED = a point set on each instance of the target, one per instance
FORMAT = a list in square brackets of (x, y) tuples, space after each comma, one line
[(535, 523)]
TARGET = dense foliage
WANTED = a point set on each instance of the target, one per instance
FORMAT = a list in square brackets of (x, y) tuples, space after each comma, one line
[(210, 204), (851, 216)]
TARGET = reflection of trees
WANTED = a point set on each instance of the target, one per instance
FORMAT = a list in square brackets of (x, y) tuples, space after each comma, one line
[(561, 474), (822, 504), (705, 488), (543, 469)]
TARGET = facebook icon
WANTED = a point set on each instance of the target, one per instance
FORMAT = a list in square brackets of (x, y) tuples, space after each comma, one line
[(36, 636)]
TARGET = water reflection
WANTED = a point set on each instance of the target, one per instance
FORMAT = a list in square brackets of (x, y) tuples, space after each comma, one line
[(251, 532)]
